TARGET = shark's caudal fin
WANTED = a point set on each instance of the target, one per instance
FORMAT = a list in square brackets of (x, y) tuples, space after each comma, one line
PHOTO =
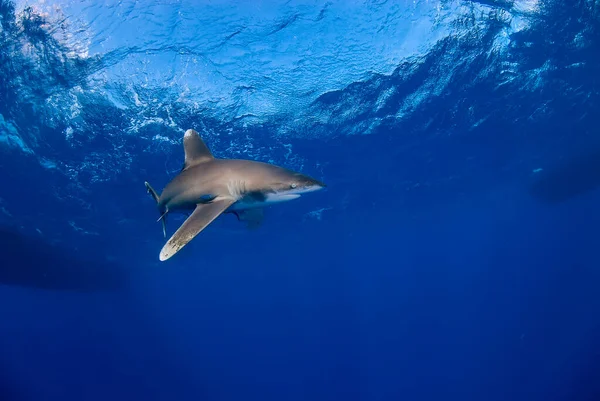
[(202, 216), (163, 216)]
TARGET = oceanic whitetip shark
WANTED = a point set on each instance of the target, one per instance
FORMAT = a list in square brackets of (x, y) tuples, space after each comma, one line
[(208, 186)]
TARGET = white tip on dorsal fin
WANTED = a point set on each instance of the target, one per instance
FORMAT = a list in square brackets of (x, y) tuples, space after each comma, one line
[(195, 149)]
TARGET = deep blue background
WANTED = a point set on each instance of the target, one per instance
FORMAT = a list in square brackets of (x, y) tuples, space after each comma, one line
[(435, 271)]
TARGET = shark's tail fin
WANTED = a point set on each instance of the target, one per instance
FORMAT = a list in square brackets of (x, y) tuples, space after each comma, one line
[(163, 216)]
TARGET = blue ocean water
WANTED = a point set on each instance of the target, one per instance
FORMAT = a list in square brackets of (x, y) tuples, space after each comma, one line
[(453, 255)]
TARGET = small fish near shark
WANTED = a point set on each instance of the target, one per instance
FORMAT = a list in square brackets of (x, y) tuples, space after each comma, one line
[(208, 186)]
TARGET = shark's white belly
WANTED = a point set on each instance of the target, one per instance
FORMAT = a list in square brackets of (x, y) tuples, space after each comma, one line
[(270, 199)]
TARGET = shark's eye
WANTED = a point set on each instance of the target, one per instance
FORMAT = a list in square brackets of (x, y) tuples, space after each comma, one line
[(294, 185)]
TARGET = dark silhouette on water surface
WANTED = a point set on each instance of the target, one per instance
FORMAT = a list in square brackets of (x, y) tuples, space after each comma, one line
[(32, 262)]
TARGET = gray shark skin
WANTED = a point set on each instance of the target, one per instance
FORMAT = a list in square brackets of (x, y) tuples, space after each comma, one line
[(208, 186)]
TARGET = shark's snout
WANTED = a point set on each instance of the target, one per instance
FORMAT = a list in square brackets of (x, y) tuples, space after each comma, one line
[(320, 184), (305, 185), (316, 186)]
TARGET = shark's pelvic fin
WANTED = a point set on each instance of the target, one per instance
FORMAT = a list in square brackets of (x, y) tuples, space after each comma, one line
[(163, 216), (195, 149), (202, 216), (252, 217)]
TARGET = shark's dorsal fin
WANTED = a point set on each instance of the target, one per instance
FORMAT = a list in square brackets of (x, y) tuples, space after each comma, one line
[(195, 149)]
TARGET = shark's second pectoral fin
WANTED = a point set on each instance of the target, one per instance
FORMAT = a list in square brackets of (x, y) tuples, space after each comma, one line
[(202, 216), (252, 217)]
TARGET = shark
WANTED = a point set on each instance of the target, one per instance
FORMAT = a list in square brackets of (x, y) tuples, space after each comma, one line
[(207, 187)]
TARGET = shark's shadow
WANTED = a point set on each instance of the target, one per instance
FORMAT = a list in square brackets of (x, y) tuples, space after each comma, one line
[(28, 261), (567, 179)]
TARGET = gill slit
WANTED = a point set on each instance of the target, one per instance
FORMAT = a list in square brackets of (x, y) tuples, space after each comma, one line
[(237, 189)]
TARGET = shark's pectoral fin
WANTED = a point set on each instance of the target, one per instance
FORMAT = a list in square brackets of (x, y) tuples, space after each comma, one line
[(202, 216), (252, 217)]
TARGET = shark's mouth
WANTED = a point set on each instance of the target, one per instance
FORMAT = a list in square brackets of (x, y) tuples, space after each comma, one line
[(269, 199), (277, 197)]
